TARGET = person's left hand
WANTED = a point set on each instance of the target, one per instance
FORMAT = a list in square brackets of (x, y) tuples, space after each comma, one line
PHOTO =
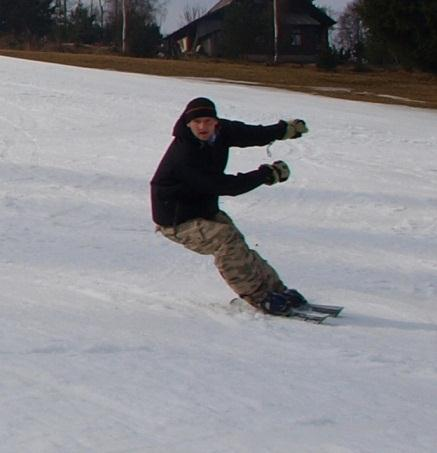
[(279, 172), (295, 129)]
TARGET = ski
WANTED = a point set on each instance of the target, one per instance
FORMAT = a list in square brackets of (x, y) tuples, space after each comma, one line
[(307, 315), (301, 313), (331, 310)]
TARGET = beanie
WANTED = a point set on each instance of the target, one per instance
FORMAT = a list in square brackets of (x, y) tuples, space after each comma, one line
[(199, 107)]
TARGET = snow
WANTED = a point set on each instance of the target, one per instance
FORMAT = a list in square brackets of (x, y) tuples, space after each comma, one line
[(114, 339)]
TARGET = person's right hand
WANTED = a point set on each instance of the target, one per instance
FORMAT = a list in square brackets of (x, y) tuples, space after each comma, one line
[(295, 129), (279, 172)]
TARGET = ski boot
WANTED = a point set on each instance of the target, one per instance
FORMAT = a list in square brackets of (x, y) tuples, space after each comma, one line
[(276, 304), (295, 299)]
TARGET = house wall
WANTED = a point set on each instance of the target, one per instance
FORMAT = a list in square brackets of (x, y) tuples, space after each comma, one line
[(209, 47), (300, 40)]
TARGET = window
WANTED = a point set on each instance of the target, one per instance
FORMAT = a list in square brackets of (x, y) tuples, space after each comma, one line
[(296, 37)]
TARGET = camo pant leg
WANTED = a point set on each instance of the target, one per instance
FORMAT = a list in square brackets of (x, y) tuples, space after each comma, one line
[(249, 275)]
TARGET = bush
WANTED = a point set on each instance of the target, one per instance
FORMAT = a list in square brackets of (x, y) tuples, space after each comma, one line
[(328, 60), (144, 40)]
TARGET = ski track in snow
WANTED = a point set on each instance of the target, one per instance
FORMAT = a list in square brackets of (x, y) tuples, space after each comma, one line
[(113, 339)]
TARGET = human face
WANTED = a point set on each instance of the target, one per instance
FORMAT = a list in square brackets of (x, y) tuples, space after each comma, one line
[(203, 128)]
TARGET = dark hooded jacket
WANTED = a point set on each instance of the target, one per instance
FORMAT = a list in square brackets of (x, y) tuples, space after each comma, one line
[(190, 177)]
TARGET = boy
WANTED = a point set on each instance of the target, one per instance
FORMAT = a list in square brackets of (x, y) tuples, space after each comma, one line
[(188, 183)]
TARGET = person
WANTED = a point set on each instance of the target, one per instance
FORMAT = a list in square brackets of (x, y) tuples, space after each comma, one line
[(185, 191)]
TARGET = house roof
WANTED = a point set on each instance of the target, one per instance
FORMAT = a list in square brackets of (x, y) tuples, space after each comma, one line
[(293, 19), (177, 34), (317, 17), (300, 19), (221, 4)]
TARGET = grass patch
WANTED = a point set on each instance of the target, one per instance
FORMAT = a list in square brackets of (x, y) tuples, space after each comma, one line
[(415, 89)]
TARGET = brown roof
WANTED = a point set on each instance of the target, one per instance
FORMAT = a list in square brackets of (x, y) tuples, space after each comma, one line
[(317, 17), (300, 19), (221, 4)]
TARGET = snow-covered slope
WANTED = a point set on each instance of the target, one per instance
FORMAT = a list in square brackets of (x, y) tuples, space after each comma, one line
[(113, 339)]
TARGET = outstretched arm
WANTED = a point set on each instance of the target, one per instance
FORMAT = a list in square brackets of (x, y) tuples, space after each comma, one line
[(244, 135), (213, 184)]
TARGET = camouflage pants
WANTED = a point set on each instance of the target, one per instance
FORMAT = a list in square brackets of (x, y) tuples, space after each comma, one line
[(249, 275)]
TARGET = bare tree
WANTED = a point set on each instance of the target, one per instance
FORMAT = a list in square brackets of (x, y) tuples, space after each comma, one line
[(125, 14), (191, 12), (102, 13), (124, 8), (351, 32)]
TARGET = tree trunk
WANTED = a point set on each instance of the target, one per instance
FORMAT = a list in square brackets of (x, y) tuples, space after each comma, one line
[(102, 21), (276, 28), (124, 30), (65, 19)]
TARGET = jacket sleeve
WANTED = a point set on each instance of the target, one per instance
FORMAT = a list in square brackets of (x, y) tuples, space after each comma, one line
[(210, 184), (244, 135)]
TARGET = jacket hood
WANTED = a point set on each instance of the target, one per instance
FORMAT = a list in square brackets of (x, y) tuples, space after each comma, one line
[(181, 130)]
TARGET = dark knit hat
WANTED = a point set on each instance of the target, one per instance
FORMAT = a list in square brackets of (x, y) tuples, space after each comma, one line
[(199, 107)]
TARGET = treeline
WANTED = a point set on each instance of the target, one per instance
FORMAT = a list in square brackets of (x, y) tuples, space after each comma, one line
[(375, 32), (389, 32), (129, 26)]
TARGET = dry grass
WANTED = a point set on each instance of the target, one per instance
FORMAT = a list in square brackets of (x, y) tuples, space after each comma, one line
[(395, 87)]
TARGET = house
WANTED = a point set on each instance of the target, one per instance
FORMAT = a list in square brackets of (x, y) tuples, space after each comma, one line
[(302, 32)]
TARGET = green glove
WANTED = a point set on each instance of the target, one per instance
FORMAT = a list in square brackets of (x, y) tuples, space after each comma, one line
[(295, 129), (279, 172)]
